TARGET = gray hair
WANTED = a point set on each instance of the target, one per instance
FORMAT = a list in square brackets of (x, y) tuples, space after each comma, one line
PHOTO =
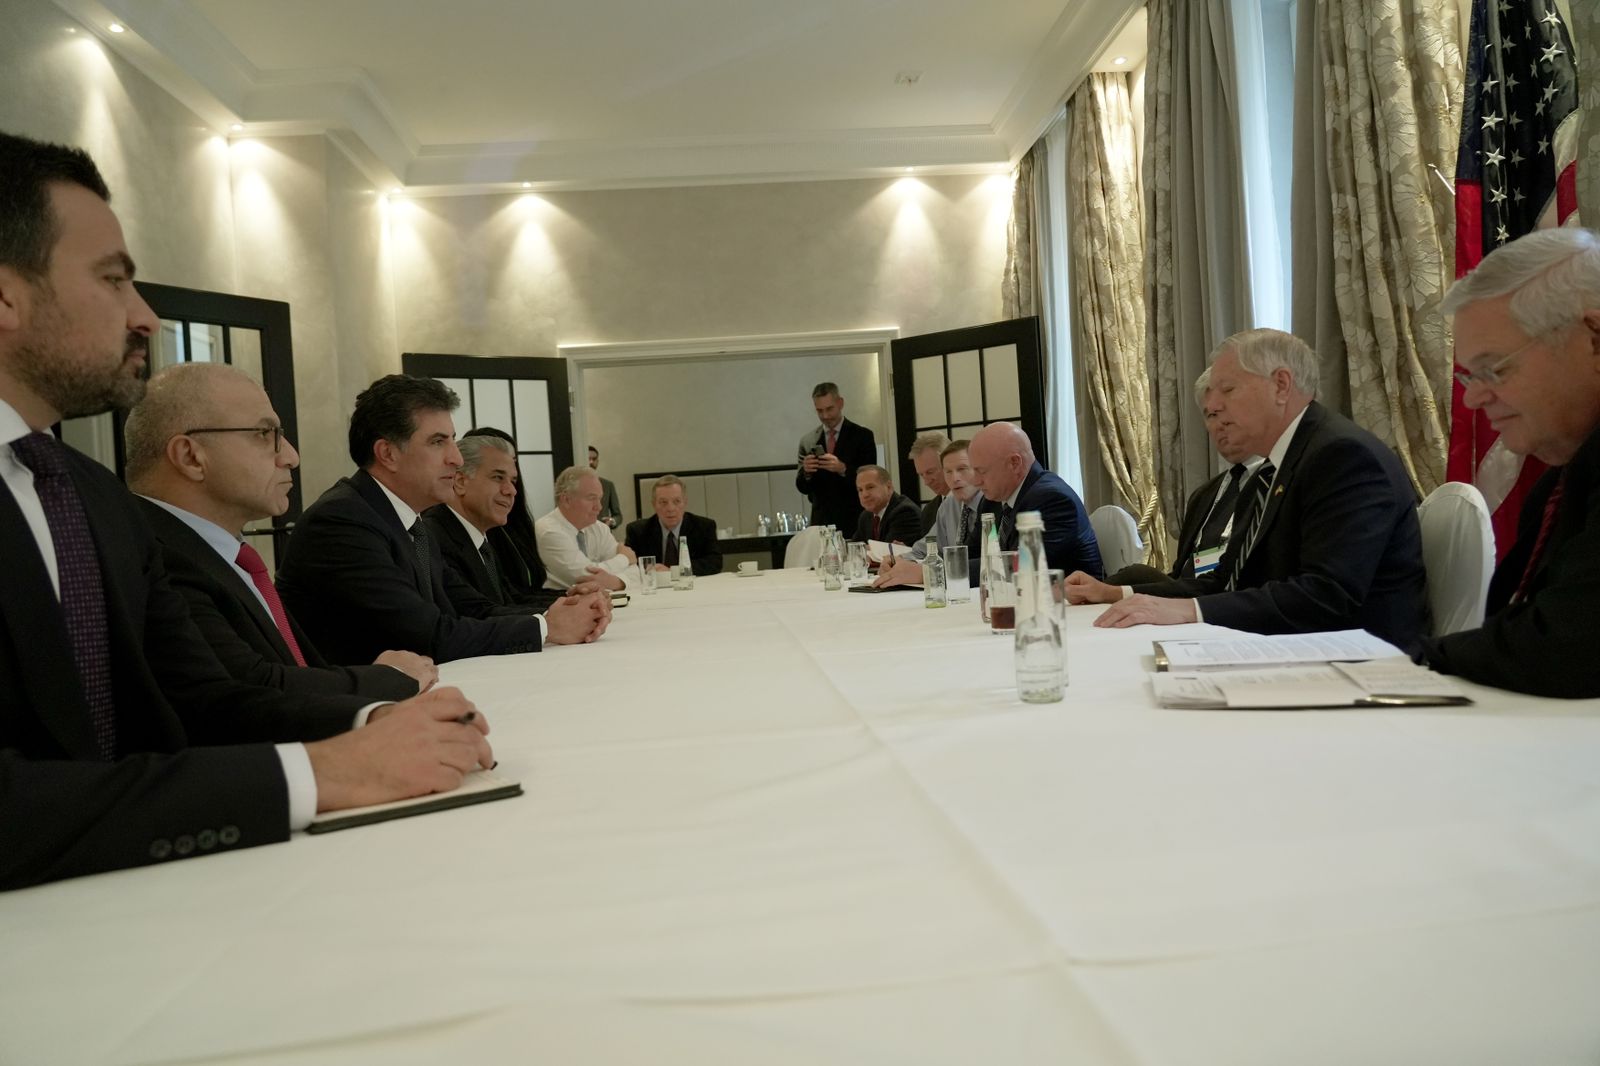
[(924, 441), (884, 476), (177, 398), (1261, 351), (666, 481), (1554, 274), (472, 449), (568, 480), (1201, 384)]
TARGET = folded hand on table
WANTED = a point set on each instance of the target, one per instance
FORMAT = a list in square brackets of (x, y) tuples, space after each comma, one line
[(1141, 610), (1081, 588), (425, 744)]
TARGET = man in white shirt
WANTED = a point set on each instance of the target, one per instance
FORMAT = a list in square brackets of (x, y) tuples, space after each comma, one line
[(957, 522), (207, 453), (574, 543), (124, 742)]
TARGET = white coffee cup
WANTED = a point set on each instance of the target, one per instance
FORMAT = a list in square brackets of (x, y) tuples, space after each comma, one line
[(748, 566)]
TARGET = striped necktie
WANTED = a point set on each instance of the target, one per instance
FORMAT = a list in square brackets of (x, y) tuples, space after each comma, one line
[(1257, 490)]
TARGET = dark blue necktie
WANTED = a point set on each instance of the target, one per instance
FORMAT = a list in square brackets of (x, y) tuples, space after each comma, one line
[(419, 547), (83, 598)]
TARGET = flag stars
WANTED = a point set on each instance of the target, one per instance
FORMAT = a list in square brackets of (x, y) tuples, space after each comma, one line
[(1496, 196), (1516, 158), (1551, 18), (1493, 159), (1511, 83), (1490, 121), (1544, 146), (1550, 54), (1500, 234)]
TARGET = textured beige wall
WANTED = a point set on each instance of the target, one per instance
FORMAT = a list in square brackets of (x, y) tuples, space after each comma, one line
[(518, 275), (707, 414)]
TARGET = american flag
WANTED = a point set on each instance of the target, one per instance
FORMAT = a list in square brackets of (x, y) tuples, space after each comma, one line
[(1516, 171)]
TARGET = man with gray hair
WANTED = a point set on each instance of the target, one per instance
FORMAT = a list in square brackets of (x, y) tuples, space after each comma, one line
[(1327, 536), (924, 455), (574, 544), (484, 493), (207, 454), (1527, 329), (662, 533)]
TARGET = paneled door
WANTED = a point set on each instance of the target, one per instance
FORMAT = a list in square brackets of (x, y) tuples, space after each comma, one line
[(960, 380), (523, 396)]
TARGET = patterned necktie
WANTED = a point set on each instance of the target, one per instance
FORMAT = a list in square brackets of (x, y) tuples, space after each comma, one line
[(1008, 527), (419, 547), (833, 441), (1221, 511), (875, 528), (250, 562), (493, 568), (1547, 522), (966, 523), (669, 557), (83, 598), (1256, 506)]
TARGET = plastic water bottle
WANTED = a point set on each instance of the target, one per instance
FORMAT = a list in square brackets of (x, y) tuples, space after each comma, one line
[(1040, 675), (683, 577), (933, 578), (988, 558)]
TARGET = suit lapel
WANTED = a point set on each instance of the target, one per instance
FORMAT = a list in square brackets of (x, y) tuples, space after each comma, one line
[(1284, 478), (400, 538)]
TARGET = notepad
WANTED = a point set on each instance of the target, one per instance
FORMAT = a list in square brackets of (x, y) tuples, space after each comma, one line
[(480, 786)]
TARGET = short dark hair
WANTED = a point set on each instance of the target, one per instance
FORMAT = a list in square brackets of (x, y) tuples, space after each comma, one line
[(596, 451), (954, 446), (28, 225), (387, 410), (827, 388)]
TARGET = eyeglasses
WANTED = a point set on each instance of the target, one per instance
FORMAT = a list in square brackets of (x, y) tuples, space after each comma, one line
[(1495, 373), (264, 432)]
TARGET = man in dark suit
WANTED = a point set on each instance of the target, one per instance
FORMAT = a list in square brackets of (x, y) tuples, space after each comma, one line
[(661, 533), (206, 452), (104, 681), (924, 455), (1208, 516), (885, 514), (1332, 540), (830, 455), (485, 497), (1012, 480), (1533, 367), (361, 570), (610, 505)]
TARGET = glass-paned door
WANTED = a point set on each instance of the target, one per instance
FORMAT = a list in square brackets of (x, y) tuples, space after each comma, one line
[(523, 396), (247, 333), (960, 380)]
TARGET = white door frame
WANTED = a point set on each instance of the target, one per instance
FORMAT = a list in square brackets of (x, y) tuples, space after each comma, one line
[(581, 357)]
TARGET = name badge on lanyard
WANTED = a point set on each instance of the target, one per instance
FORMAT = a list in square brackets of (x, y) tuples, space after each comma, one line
[(1207, 560)]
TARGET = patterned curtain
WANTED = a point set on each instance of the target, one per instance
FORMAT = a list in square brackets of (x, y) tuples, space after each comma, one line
[(1107, 253), (1197, 276), (1585, 23), (1392, 81), (1018, 288)]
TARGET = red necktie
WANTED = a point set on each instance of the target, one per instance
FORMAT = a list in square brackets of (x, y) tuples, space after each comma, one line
[(875, 527), (1546, 523), (833, 441), (250, 561)]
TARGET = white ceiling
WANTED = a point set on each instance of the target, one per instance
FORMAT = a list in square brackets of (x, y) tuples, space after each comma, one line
[(475, 94)]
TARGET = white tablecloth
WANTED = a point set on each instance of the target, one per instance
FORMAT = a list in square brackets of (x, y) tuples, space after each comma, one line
[(766, 823)]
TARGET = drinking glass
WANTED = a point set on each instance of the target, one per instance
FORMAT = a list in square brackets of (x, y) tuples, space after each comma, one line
[(647, 575), (1003, 594), (957, 578)]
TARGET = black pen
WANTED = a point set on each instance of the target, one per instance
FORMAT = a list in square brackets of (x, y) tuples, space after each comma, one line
[(467, 718)]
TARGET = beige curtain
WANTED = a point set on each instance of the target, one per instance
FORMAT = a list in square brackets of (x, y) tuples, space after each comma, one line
[(1392, 81), (1107, 254), (1019, 293), (1585, 22), (1197, 278)]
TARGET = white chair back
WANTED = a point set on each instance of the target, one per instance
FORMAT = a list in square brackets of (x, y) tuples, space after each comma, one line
[(805, 547), (1118, 535), (1458, 555)]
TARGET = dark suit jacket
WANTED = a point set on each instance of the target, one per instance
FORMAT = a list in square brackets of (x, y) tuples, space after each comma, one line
[(350, 576), (1069, 540), (833, 496), (930, 515), (1338, 547), (644, 537), (902, 521), (467, 580), (244, 636), (63, 811), (1542, 644)]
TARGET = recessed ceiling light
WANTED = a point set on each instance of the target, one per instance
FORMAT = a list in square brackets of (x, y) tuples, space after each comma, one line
[(527, 185), (911, 170), (72, 29), (394, 192), (1119, 61), (236, 127), (116, 27)]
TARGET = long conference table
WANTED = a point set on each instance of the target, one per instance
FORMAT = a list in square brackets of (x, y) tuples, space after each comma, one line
[(769, 824)]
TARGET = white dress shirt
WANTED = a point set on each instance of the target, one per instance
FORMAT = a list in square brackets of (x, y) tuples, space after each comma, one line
[(302, 783), (567, 560)]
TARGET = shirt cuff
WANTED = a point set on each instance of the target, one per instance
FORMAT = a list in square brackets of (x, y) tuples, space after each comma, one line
[(366, 712), (302, 783), (1199, 615), (1127, 590), (544, 630)]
